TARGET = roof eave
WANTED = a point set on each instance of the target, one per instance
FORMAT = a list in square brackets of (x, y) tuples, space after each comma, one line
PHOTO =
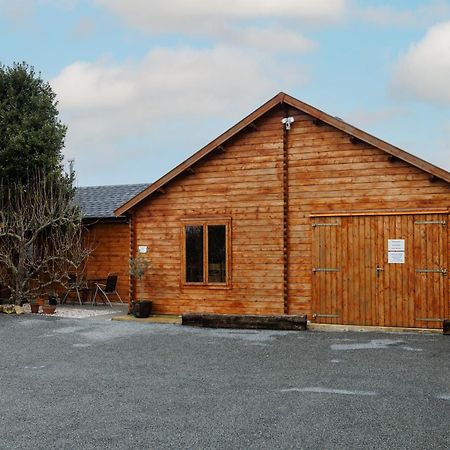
[(108, 219)]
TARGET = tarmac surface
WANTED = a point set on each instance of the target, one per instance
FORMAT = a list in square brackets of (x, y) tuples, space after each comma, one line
[(102, 384)]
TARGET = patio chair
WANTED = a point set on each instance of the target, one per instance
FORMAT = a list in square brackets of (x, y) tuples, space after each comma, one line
[(73, 286), (107, 289)]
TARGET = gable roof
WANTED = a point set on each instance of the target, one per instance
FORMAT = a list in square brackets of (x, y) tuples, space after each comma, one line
[(99, 202), (286, 99)]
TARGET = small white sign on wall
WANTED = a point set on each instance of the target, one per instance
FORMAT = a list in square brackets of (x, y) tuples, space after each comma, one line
[(396, 245), (142, 249), (396, 257)]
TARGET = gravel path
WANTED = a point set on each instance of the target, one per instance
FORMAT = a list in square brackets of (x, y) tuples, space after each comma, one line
[(96, 384), (83, 311)]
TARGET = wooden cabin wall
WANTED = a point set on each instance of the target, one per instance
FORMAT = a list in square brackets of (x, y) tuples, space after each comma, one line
[(111, 243), (329, 173), (243, 182)]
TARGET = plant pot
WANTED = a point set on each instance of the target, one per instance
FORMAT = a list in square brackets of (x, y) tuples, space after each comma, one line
[(34, 308), (40, 302), (141, 309), (49, 309), (446, 327)]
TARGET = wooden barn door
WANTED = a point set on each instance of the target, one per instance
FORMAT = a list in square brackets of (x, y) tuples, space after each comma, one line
[(386, 270), (359, 274), (326, 272), (395, 270), (431, 271), (344, 276), (412, 280)]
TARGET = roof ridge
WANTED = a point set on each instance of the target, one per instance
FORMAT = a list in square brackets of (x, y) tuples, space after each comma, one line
[(113, 185)]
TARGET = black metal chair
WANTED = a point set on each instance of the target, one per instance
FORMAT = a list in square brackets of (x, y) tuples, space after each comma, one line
[(73, 286), (106, 289)]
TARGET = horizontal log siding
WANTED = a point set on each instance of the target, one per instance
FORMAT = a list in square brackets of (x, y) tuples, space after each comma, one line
[(111, 242), (244, 182), (328, 173)]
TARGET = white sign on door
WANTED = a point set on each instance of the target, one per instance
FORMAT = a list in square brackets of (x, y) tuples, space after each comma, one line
[(396, 257), (396, 245)]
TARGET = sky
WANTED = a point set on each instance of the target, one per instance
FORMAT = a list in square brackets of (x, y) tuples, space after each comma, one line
[(143, 84)]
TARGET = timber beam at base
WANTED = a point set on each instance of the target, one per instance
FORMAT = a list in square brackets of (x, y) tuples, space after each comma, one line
[(269, 322)]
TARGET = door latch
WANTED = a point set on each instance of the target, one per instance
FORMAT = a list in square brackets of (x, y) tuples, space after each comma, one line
[(378, 270)]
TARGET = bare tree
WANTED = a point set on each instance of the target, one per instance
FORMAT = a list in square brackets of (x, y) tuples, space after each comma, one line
[(41, 236)]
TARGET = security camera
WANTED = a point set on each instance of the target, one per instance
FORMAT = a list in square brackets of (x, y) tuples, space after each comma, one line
[(287, 122)]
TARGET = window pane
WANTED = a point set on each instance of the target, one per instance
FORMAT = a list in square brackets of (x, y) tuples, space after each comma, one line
[(217, 254), (194, 253)]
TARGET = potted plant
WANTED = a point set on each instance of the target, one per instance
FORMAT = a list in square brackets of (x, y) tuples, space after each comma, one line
[(50, 306), (36, 301), (34, 305), (53, 298), (138, 267), (49, 309)]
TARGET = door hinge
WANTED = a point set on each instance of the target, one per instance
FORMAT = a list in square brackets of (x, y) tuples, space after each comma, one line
[(325, 316), (325, 269), (325, 225), (442, 271), (431, 222), (426, 319)]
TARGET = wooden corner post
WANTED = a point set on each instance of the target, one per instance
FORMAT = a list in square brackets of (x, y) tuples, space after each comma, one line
[(286, 128), (131, 255)]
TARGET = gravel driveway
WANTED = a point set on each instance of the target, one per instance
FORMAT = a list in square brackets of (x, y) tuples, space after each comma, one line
[(93, 384)]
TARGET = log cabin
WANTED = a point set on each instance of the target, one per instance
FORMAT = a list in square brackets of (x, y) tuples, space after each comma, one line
[(108, 234), (294, 211)]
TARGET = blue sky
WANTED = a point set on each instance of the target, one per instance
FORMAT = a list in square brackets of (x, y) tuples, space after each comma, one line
[(143, 84)]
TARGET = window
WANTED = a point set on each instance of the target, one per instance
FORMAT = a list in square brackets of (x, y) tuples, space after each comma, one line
[(194, 253), (206, 252)]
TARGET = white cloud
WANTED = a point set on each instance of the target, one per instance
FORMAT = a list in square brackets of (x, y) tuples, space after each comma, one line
[(21, 12), (423, 72), (93, 86), (422, 15), (388, 16), (209, 16), (274, 39), (107, 103), (268, 25), (17, 12), (167, 79)]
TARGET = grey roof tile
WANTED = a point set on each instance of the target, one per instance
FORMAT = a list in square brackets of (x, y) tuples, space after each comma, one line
[(101, 201)]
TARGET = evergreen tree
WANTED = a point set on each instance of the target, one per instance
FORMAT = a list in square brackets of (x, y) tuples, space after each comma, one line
[(31, 134)]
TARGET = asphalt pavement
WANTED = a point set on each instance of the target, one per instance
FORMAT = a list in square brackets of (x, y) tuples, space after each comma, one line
[(96, 384)]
